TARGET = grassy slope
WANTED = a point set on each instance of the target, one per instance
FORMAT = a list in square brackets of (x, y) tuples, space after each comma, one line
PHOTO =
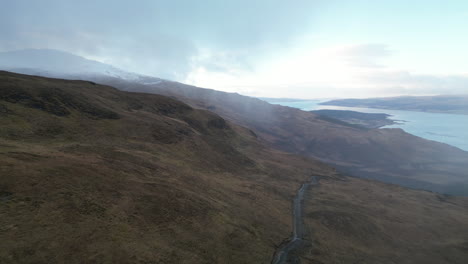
[(90, 174), (360, 221)]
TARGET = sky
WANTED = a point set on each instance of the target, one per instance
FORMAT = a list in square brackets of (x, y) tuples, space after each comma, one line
[(266, 48)]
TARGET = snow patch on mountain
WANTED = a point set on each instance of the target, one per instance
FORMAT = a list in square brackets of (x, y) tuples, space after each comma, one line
[(60, 64)]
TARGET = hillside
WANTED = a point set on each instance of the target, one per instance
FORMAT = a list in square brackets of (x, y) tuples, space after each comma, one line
[(389, 155), (398, 226), (90, 174), (450, 104)]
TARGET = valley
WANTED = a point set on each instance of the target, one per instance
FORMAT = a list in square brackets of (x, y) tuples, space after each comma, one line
[(283, 253)]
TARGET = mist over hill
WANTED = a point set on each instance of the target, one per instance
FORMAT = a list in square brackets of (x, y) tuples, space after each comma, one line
[(390, 155)]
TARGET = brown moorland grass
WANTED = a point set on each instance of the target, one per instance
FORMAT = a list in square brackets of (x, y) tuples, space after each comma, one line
[(360, 221)]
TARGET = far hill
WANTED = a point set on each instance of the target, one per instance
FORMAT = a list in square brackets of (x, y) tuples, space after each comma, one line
[(451, 104)]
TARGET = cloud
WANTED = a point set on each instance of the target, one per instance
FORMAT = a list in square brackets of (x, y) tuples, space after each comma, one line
[(367, 55), (163, 38), (345, 71), (405, 82), (264, 47)]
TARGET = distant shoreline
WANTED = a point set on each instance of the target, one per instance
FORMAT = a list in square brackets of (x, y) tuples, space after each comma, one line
[(457, 105), (357, 119)]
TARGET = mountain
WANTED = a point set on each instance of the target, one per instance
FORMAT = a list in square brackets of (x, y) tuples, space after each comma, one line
[(389, 155), (451, 104), (55, 63), (91, 174)]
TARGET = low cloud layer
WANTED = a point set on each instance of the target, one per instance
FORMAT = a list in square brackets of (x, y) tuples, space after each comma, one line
[(164, 38), (367, 55), (264, 47), (337, 71)]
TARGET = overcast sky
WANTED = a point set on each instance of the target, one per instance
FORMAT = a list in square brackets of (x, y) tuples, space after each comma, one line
[(299, 49)]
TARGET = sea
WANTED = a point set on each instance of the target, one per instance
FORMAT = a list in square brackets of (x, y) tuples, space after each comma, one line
[(451, 129)]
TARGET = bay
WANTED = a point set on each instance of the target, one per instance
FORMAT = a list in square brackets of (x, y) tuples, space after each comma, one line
[(446, 128)]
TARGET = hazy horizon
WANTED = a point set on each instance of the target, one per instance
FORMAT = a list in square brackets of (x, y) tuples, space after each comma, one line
[(309, 49)]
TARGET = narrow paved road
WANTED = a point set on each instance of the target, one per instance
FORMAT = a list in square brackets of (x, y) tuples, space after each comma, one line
[(281, 255)]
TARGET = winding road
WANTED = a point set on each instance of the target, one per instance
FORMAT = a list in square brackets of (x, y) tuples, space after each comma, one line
[(281, 254)]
